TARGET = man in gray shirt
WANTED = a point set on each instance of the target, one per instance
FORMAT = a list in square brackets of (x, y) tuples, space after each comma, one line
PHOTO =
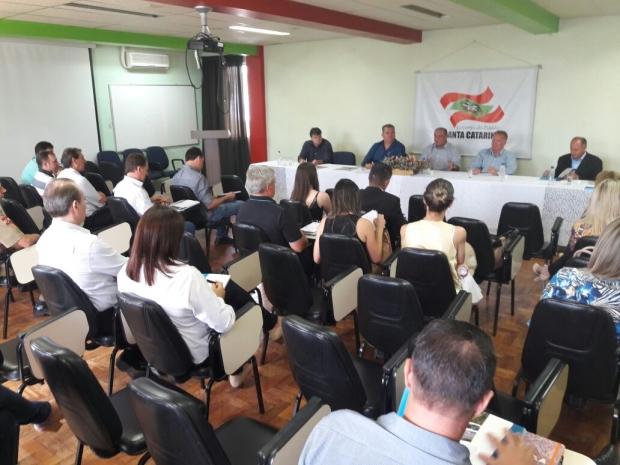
[(217, 208), (449, 377), (442, 155)]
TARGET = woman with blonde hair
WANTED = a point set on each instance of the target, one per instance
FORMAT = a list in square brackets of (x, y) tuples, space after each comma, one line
[(603, 208), (306, 190), (597, 285)]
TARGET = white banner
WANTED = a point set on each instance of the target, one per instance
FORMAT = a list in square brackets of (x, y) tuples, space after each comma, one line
[(472, 105)]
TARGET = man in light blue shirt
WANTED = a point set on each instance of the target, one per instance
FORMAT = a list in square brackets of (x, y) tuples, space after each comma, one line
[(450, 378), (442, 155), (490, 160)]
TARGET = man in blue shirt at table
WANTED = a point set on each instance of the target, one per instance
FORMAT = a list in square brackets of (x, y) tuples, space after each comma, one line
[(490, 160), (389, 147), (316, 150)]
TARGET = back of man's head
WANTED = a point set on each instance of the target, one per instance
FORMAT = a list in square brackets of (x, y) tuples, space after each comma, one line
[(69, 154), (379, 174), (453, 367), (193, 153), (59, 195), (258, 178), (134, 161), (43, 146)]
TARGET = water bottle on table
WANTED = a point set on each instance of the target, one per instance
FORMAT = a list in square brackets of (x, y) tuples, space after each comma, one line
[(502, 172), (551, 175)]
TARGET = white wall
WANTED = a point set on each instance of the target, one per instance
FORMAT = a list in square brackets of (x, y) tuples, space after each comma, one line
[(351, 87)]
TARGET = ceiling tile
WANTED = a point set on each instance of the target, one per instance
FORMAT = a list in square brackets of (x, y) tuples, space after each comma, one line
[(17, 8), (53, 20)]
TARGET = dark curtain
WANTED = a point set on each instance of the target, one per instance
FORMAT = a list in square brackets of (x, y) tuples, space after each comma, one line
[(223, 107)]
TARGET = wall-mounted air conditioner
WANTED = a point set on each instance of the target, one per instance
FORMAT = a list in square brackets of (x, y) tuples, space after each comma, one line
[(154, 61)]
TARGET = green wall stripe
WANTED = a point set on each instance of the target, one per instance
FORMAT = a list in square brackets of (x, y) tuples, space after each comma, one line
[(100, 36), (523, 14)]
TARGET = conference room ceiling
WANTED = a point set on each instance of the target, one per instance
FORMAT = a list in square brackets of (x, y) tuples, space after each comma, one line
[(167, 18)]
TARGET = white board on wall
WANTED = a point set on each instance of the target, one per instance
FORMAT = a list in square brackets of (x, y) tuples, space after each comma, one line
[(145, 115)]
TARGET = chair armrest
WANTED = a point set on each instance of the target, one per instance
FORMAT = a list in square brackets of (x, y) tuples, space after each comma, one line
[(392, 380), (343, 292), (226, 266), (241, 343), (557, 224), (245, 271), (177, 159), (543, 402), (460, 308), (513, 256), (386, 265), (288, 443)]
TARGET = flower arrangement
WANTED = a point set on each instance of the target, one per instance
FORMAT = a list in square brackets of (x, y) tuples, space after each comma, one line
[(408, 165)]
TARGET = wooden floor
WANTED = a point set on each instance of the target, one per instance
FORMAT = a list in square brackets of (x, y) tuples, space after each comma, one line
[(585, 431)]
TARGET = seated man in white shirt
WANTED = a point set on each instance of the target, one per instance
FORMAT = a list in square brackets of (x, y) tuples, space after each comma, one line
[(97, 214), (67, 246), (130, 188)]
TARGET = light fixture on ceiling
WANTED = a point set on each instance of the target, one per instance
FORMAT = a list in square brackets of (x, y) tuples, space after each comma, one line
[(425, 11), (259, 31), (109, 10)]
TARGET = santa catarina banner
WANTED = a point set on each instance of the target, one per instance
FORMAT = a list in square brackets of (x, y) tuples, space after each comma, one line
[(472, 105)]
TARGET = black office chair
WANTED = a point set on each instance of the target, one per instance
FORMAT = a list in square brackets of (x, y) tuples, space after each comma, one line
[(12, 190), (97, 182), (343, 158), (19, 216), (417, 208), (110, 156), (389, 312), (62, 295), (198, 216), (299, 211), (233, 183), (188, 437), (111, 172), (158, 159), (248, 237), (147, 185), (339, 252), (191, 252), (168, 356), (585, 340), (429, 273), (479, 238), (330, 192), (585, 241), (106, 424), (526, 218), (31, 195), (123, 212), (322, 367), (91, 167)]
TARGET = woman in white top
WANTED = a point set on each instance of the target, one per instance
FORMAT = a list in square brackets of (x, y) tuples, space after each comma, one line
[(192, 304)]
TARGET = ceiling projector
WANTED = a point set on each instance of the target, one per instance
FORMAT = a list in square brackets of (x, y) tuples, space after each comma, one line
[(204, 41)]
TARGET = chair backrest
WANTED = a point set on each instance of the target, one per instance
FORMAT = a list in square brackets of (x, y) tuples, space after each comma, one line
[(321, 365), (288, 443), (182, 193), (330, 192), (22, 262), (158, 339), (128, 152), (88, 411), (147, 185), (429, 273), (31, 195), (111, 172), (580, 335), (343, 158), (62, 295), (117, 236), (68, 330), (299, 211), (417, 208), (12, 190), (187, 436), (246, 272), (157, 154), (479, 238), (97, 182), (284, 280), (339, 252), (583, 261), (233, 183), (91, 167), (585, 241), (191, 252), (248, 237), (389, 312), (110, 156), (19, 216), (526, 218), (123, 212)]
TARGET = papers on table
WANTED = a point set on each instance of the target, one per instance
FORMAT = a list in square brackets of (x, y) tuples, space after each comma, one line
[(214, 277), (184, 204), (311, 228)]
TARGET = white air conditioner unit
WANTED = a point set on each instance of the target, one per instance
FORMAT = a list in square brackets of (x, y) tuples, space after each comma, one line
[(135, 60)]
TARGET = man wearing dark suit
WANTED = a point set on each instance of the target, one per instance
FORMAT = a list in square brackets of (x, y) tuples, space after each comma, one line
[(374, 197), (583, 164)]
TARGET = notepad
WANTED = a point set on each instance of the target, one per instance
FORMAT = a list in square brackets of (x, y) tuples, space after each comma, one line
[(311, 228), (222, 278), (184, 204), (370, 216)]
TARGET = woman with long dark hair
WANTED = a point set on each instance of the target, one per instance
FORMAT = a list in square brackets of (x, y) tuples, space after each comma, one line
[(306, 190)]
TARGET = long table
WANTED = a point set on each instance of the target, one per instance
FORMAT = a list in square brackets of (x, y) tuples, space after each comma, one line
[(481, 196)]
